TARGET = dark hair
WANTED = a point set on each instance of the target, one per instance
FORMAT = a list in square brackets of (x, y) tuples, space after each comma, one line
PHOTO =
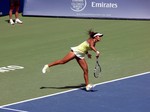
[(91, 33)]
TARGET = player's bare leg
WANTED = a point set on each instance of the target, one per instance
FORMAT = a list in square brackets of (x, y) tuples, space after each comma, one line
[(64, 60)]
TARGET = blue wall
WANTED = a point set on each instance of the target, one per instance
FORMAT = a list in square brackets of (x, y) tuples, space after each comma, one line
[(126, 9), (4, 7)]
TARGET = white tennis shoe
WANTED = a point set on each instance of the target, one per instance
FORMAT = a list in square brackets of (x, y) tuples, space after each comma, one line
[(18, 21), (45, 69), (89, 87), (11, 22)]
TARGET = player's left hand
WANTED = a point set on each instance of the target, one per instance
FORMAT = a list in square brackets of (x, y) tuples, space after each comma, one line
[(97, 54)]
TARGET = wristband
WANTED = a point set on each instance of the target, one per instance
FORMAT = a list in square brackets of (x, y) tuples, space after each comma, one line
[(97, 52)]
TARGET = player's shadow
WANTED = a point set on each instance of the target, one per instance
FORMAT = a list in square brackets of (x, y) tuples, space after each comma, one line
[(64, 87), (7, 21), (81, 87)]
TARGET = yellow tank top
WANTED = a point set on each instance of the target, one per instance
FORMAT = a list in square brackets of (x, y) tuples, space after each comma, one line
[(83, 47)]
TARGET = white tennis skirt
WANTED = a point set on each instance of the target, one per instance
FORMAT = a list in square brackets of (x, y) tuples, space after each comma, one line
[(78, 53)]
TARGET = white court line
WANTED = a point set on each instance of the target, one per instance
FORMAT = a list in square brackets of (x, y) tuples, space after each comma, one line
[(14, 110), (74, 89)]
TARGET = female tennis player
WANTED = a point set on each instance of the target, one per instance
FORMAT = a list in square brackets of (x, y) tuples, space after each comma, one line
[(78, 53)]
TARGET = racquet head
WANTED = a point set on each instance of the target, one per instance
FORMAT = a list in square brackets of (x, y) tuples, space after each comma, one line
[(97, 69)]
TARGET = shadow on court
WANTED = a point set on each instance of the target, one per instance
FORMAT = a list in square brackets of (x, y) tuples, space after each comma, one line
[(64, 87), (81, 87)]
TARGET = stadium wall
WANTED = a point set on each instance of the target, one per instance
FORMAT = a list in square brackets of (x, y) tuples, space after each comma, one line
[(122, 9), (4, 7)]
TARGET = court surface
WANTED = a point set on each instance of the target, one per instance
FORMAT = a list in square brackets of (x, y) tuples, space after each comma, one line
[(128, 94)]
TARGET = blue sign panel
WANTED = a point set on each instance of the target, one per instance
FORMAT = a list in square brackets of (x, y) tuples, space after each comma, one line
[(5, 5), (126, 9)]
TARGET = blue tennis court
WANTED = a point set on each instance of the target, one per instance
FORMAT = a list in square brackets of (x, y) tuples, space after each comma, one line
[(129, 94)]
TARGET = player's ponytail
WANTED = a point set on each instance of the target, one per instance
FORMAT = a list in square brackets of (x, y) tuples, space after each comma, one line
[(91, 33)]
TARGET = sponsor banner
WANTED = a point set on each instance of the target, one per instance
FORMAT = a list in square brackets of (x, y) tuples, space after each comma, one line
[(127, 9)]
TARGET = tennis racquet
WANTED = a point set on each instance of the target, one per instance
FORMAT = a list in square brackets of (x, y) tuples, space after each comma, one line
[(97, 69)]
